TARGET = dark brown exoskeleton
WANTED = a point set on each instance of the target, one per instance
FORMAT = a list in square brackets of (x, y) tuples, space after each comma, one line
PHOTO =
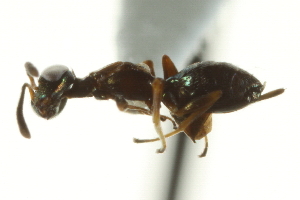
[(130, 85), (203, 88), (191, 95)]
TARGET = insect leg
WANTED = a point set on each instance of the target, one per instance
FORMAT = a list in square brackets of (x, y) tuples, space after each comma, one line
[(168, 67), (203, 154), (125, 107), (157, 88), (199, 129), (205, 103), (150, 65)]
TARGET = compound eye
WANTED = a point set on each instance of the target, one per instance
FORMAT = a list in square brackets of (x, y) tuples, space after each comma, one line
[(54, 73)]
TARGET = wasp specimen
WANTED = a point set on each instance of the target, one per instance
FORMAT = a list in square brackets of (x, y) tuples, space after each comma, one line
[(191, 95)]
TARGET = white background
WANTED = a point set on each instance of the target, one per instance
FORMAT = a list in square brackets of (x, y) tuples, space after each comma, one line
[(87, 151)]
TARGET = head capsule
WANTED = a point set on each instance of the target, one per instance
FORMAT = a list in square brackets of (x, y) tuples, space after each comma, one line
[(48, 100)]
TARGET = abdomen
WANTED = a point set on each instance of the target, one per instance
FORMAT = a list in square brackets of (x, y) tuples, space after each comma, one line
[(238, 86)]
